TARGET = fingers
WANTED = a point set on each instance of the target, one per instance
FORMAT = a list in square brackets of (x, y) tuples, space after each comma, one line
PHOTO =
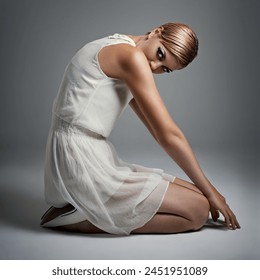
[(230, 219), (214, 214), (218, 204)]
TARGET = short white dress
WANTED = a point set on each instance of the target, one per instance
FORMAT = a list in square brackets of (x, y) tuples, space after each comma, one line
[(82, 167)]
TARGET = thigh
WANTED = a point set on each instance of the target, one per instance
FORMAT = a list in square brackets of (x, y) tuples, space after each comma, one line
[(183, 201), (187, 184), (183, 209)]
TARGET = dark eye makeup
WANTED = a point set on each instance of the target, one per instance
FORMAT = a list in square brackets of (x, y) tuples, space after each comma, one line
[(166, 70), (161, 56)]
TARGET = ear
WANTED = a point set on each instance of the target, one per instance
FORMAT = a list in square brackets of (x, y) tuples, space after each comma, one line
[(156, 32)]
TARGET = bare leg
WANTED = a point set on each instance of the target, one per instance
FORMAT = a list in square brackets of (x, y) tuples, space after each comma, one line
[(184, 208), (187, 185)]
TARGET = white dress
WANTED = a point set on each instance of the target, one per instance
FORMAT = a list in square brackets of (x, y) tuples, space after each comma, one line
[(82, 167)]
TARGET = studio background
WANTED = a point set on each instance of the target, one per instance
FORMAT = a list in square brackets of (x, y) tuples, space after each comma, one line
[(215, 101)]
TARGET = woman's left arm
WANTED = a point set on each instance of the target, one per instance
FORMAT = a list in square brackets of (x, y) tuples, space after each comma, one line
[(131, 66), (211, 196), (171, 138), (140, 115)]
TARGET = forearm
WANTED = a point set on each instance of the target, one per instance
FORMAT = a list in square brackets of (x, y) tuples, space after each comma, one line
[(178, 148)]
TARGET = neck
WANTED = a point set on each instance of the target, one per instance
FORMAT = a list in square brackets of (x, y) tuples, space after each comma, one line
[(137, 39)]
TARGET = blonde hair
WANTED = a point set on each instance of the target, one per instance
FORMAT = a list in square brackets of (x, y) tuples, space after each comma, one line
[(180, 40)]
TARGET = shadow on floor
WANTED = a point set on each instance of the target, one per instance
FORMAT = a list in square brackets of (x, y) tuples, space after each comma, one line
[(21, 209), (219, 225)]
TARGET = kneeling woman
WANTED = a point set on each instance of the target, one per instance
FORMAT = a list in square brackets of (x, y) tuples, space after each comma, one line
[(88, 186)]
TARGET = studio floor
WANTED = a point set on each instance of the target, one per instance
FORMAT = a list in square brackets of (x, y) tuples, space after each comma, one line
[(22, 204)]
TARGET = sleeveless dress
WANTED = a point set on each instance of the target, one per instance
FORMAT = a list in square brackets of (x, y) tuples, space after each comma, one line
[(82, 167)]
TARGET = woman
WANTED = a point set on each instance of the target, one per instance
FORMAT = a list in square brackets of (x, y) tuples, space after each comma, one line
[(89, 187)]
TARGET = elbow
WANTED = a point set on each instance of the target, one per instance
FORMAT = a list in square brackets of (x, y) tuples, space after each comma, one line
[(170, 138)]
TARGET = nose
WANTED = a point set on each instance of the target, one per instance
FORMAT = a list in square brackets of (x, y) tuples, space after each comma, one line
[(154, 65)]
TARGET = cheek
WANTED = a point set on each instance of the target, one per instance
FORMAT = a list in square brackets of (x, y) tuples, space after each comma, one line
[(150, 53)]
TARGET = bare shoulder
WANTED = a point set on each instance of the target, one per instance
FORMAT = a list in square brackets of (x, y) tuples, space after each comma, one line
[(120, 60), (131, 57), (128, 63)]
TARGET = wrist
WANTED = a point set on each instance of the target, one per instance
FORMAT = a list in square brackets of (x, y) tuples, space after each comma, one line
[(209, 191)]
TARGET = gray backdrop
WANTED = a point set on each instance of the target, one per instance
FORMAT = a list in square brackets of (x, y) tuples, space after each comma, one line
[(215, 100)]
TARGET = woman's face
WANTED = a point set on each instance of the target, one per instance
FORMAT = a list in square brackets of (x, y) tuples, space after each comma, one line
[(159, 58)]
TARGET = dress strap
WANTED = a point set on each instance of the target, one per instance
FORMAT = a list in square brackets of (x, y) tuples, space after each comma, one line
[(122, 36)]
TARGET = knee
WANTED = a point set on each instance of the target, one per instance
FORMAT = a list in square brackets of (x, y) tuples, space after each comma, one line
[(200, 213)]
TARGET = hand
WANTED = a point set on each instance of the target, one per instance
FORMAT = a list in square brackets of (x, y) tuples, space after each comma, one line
[(218, 204)]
